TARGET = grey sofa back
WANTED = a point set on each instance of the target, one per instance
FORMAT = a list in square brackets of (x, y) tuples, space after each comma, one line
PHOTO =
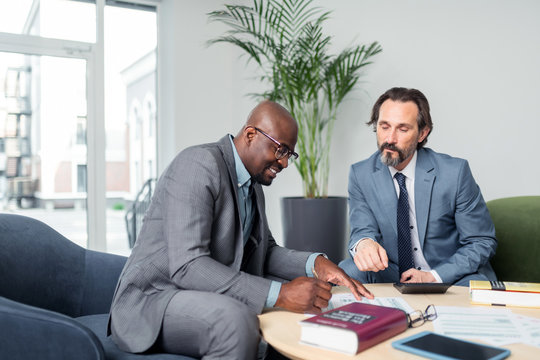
[(55, 296), (40, 267)]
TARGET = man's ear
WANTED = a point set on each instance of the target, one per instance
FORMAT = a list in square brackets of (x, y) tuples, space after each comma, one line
[(423, 134), (249, 134)]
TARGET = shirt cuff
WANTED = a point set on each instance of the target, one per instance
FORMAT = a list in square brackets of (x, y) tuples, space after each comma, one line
[(437, 277), (310, 263), (352, 249), (273, 293), (275, 286)]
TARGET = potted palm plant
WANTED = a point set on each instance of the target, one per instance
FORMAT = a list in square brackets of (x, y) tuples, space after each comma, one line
[(286, 40)]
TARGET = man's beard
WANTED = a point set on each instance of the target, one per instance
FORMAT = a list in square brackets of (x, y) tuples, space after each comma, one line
[(403, 154), (259, 178)]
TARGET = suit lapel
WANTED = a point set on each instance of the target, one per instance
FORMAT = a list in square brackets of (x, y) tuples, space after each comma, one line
[(423, 185), (257, 198), (226, 149), (228, 156), (386, 193)]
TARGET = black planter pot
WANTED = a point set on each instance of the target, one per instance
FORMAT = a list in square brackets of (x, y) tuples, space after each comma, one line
[(316, 225)]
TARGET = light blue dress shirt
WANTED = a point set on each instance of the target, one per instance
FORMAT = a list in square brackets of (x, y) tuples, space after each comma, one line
[(245, 201)]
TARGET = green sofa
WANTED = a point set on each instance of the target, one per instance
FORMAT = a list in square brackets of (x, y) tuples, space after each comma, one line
[(517, 226)]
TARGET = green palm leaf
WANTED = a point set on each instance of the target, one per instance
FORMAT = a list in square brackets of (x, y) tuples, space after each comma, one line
[(286, 39)]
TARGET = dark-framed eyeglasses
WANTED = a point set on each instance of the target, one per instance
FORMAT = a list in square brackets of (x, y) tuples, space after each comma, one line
[(282, 150), (418, 318)]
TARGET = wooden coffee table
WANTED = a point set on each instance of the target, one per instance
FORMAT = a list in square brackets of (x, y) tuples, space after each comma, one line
[(280, 328)]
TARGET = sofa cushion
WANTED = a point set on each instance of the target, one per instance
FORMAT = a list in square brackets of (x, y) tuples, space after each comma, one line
[(98, 324), (39, 266), (29, 333), (101, 273), (517, 228)]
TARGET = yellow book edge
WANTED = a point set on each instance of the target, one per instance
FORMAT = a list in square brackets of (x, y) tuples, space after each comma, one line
[(508, 286)]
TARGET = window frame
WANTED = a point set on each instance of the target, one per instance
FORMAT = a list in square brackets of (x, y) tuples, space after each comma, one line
[(93, 54)]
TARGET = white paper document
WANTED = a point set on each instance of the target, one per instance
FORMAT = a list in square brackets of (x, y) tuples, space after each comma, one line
[(492, 325), (531, 327), (341, 299)]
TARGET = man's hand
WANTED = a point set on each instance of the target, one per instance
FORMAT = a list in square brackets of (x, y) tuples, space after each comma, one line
[(370, 256), (417, 276), (328, 271), (304, 294)]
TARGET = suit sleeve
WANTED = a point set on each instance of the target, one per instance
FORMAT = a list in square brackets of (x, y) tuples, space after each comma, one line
[(190, 207), (362, 221), (283, 263), (279, 263), (475, 230)]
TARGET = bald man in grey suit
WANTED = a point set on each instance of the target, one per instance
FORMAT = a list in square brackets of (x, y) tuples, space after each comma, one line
[(205, 263)]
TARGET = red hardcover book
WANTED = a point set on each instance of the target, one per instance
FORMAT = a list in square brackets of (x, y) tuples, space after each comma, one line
[(353, 327)]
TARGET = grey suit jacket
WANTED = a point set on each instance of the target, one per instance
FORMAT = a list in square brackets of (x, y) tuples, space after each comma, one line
[(192, 239), (454, 226)]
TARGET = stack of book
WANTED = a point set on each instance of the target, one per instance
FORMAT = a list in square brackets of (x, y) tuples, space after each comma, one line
[(505, 293)]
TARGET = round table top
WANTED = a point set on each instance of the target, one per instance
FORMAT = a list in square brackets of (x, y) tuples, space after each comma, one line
[(280, 328)]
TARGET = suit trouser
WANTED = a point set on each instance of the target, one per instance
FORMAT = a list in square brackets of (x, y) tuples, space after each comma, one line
[(209, 325)]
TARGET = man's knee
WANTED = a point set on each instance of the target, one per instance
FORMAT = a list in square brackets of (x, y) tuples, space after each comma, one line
[(237, 329), (209, 325), (238, 318)]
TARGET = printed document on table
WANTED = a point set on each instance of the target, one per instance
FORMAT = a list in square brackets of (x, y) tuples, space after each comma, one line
[(492, 325), (341, 299), (531, 327)]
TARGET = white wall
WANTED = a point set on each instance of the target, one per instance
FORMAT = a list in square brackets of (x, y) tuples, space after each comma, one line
[(202, 88), (478, 63)]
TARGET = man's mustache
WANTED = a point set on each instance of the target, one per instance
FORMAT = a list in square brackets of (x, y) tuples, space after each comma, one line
[(390, 147)]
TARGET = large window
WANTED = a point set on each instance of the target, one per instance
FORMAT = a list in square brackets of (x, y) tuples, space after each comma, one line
[(70, 78), (58, 19)]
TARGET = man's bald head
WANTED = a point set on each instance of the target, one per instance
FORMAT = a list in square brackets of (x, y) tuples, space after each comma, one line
[(268, 114), (256, 149)]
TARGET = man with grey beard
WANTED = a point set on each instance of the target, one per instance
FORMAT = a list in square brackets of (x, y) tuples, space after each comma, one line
[(415, 215)]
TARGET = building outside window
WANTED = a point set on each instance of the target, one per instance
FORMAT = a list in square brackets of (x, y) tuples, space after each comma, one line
[(51, 115)]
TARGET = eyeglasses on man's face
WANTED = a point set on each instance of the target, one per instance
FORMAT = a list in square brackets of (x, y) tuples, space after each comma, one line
[(282, 151), (418, 318)]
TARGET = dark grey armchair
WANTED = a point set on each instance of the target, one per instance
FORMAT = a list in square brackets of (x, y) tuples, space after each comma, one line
[(55, 296)]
